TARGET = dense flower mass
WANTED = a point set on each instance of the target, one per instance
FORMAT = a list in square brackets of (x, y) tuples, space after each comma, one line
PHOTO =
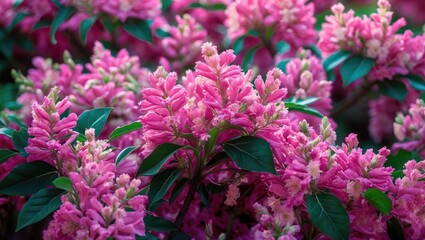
[(212, 119)]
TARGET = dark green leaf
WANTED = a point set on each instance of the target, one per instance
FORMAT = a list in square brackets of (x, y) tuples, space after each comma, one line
[(178, 188), (160, 184), (153, 163), (393, 89), (17, 3), (166, 4), (217, 158), (397, 161), (335, 59), (204, 195), (63, 183), (138, 28), (41, 24), (57, 3), (7, 132), (25, 43), (16, 20), (251, 153), (302, 108), (162, 33), (28, 178), (249, 58), (39, 206), (315, 50), (355, 68), (416, 81), (282, 65), (61, 16), (379, 200), (397, 174), (158, 224), (6, 154), (86, 24), (329, 215), (20, 140), (213, 7), (238, 44), (6, 47), (282, 47), (120, 131), (124, 153), (394, 229), (148, 236), (95, 118), (13, 118)]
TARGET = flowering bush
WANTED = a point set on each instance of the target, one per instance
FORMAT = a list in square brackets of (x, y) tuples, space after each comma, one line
[(215, 119)]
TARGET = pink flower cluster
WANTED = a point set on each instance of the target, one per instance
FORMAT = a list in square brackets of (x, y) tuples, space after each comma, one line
[(410, 129), (122, 9), (292, 21), (97, 207), (52, 134), (374, 37)]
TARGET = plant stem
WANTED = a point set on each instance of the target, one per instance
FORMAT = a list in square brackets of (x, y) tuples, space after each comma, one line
[(194, 184), (353, 99)]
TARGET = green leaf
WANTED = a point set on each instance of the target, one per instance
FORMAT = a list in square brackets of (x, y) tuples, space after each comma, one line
[(6, 47), (61, 16), (397, 161), (6, 154), (178, 188), (120, 131), (160, 184), (148, 236), (25, 43), (394, 229), (28, 178), (379, 200), (329, 215), (158, 224), (397, 174), (416, 81), (217, 159), (41, 24), (210, 144), (153, 163), (335, 59), (17, 3), (393, 89), (302, 108), (95, 118), (124, 153), (315, 50), (282, 65), (162, 33), (355, 68), (249, 58), (138, 28), (202, 191), (20, 140), (282, 47), (166, 4), (213, 7), (39, 206), (306, 101), (251, 153), (16, 20), (7, 132), (63, 183), (86, 24), (239, 42)]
